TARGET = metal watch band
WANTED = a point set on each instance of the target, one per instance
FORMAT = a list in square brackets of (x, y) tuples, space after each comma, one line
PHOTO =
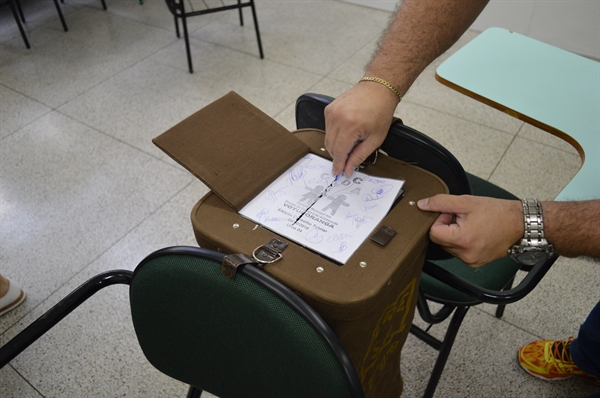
[(534, 224), (533, 238)]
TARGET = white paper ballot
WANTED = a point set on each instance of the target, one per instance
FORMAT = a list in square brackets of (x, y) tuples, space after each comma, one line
[(308, 205)]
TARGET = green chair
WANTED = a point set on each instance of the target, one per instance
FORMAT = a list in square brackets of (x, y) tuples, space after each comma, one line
[(247, 337), (445, 279)]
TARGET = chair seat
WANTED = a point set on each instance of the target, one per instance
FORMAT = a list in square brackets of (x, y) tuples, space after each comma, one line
[(494, 276), (481, 187)]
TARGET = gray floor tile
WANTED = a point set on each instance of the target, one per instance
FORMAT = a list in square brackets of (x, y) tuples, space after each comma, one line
[(152, 13), (482, 363), (330, 87), (267, 84), (17, 111), (316, 37), (515, 172), (147, 99), (37, 14), (561, 301), (140, 103), (97, 341), (97, 46), (543, 137), (14, 386), (68, 194), (478, 148), (426, 91), (325, 86), (354, 67)]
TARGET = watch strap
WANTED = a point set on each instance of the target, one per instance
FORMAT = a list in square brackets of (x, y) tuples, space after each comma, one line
[(533, 236)]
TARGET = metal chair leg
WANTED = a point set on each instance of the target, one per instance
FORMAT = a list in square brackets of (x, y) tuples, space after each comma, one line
[(177, 27), (13, 9), (260, 50), (18, 3), (187, 44), (177, 8), (194, 392), (501, 307), (61, 16), (453, 327), (241, 15)]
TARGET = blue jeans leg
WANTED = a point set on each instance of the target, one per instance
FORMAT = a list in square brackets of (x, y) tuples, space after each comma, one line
[(585, 349)]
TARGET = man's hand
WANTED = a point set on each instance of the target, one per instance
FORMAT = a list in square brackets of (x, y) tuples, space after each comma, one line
[(475, 229), (356, 124)]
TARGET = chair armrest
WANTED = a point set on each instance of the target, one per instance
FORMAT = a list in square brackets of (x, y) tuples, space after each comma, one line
[(491, 296), (63, 308)]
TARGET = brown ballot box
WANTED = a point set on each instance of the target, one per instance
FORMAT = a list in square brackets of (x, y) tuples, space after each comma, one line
[(237, 151)]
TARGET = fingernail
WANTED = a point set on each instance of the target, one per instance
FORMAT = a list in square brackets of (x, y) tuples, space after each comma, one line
[(423, 203)]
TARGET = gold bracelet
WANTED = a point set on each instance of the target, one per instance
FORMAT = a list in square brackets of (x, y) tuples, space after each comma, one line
[(385, 83)]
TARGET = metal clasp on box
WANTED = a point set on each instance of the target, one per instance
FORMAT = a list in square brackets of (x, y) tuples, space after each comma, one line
[(371, 159), (269, 253)]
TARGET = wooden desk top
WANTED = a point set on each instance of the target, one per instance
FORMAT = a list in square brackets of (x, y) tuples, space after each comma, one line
[(548, 87)]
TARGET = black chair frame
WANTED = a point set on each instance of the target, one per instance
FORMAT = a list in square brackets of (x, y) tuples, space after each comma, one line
[(17, 11), (177, 8), (103, 4)]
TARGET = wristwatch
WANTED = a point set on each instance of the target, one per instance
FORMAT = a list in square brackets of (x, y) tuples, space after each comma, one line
[(534, 247)]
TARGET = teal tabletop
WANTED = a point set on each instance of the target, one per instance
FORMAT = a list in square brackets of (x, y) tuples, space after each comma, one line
[(551, 88)]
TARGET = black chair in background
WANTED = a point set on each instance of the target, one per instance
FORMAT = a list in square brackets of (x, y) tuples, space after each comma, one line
[(17, 11), (177, 8), (247, 337), (103, 4), (61, 16), (445, 280)]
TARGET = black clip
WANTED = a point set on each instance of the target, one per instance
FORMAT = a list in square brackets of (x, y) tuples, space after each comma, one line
[(371, 159), (269, 253)]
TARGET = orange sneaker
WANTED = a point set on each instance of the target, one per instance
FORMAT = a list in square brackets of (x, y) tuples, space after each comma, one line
[(551, 360)]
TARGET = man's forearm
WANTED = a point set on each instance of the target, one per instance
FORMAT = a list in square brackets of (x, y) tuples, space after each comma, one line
[(421, 31), (573, 227)]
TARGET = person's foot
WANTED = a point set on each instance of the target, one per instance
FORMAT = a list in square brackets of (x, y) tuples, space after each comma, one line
[(551, 360), (13, 297)]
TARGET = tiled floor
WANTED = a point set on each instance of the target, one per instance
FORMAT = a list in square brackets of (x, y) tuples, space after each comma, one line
[(83, 189)]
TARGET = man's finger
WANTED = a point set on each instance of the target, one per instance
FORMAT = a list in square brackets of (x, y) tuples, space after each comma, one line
[(444, 203), (339, 150), (444, 219), (356, 158), (444, 234)]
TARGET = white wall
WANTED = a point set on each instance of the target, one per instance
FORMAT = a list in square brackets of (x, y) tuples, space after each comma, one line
[(573, 25)]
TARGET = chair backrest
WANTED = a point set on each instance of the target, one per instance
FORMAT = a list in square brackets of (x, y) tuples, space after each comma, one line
[(403, 143), (251, 336)]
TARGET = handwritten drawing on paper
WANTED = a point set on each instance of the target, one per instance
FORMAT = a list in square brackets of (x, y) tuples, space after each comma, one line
[(332, 216)]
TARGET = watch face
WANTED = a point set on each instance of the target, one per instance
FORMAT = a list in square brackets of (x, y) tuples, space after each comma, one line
[(532, 257)]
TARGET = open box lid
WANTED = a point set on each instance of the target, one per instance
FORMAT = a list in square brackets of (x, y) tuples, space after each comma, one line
[(233, 147)]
